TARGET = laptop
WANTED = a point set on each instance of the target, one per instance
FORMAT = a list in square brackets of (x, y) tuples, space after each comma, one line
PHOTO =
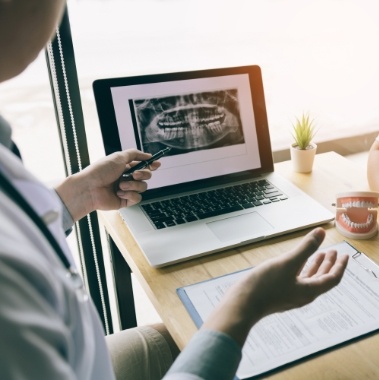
[(216, 188)]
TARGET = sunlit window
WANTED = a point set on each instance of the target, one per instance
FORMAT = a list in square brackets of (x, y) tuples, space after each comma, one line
[(26, 103), (317, 56)]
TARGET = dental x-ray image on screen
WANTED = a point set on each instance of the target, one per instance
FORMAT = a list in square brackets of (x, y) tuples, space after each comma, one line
[(189, 122)]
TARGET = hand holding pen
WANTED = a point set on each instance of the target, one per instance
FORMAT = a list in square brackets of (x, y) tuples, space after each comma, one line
[(128, 174)]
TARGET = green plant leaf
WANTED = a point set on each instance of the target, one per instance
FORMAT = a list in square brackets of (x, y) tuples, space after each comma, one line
[(303, 131)]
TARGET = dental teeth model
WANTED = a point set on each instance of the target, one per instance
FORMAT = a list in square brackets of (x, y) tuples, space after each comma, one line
[(356, 214)]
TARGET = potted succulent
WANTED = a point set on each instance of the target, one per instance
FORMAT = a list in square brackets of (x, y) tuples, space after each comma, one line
[(303, 150)]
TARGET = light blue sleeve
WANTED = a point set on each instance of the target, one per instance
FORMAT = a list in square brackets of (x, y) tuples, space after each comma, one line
[(209, 355)]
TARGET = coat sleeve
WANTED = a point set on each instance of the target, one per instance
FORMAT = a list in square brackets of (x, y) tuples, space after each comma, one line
[(209, 355)]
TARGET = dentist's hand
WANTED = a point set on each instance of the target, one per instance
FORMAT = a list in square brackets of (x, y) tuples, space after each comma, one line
[(97, 187)]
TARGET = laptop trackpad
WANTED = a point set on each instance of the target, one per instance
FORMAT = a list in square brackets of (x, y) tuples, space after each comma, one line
[(242, 227)]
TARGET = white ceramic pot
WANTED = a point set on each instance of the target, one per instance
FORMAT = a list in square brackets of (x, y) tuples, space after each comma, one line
[(302, 159)]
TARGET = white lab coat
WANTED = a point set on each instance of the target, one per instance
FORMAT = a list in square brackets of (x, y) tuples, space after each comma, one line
[(46, 332)]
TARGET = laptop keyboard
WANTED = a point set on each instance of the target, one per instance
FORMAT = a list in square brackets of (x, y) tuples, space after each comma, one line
[(188, 208)]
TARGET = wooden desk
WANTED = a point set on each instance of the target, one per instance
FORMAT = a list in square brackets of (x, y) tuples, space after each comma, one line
[(332, 174)]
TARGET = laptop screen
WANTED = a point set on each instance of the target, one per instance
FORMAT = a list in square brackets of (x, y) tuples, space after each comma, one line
[(214, 121)]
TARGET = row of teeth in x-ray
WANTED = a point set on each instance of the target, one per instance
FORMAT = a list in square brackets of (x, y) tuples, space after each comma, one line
[(181, 132), (191, 119)]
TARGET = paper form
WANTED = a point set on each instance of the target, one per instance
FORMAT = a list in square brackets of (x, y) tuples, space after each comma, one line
[(349, 310)]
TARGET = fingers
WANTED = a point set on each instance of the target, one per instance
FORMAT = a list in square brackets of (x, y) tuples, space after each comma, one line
[(145, 174), (339, 267), (132, 186), (326, 269), (332, 265), (325, 272), (321, 264), (129, 198), (142, 174), (135, 182), (151, 167), (155, 165), (129, 190), (313, 265), (324, 263), (308, 245), (130, 155)]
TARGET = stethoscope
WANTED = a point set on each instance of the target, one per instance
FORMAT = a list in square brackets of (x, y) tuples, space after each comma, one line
[(71, 272)]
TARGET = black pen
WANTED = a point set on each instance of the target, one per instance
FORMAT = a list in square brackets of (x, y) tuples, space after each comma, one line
[(143, 164)]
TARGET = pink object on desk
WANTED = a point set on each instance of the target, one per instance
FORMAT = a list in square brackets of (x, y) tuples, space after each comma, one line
[(356, 214)]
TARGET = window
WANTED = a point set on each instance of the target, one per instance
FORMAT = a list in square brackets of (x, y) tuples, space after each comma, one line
[(26, 104), (317, 56)]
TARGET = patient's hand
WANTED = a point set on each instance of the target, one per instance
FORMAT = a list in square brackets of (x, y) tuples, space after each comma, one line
[(276, 285)]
